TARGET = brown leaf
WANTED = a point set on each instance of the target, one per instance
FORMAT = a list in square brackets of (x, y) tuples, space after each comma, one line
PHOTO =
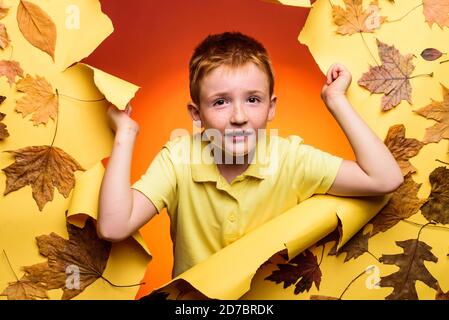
[(3, 10), (304, 267), (431, 54), (83, 251), (411, 268), (402, 204), (436, 11), (320, 297), (37, 27), (440, 295), (24, 289), (402, 148), (354, 19), (391, 77), (436, 207), (43, 168), (10, 69), (354, 248), (438, 111), (39, 99), (4, 38), (3, 131)]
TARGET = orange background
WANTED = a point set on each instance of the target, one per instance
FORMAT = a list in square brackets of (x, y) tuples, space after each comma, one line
[(151, 47)]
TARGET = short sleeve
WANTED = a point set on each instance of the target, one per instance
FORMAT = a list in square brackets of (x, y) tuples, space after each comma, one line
[(315, 170), (159, 183)]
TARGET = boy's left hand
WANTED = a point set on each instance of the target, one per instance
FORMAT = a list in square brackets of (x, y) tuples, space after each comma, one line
[(338, 79)]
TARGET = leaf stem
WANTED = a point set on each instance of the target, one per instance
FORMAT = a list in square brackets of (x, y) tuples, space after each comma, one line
[(322, 255), (120, 286), (422, 225), (83, 100), (350, 283), (443, 61), (399, 19), (9, 263), (57, 120), (423, 75), (442, 161), (372, 255)]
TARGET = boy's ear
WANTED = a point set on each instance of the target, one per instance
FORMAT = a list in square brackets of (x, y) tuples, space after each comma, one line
[(194, 111), (272, 108)]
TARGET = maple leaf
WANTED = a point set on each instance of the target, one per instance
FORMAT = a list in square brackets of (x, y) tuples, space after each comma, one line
[(39, 99), (436, 207), (10, 69), (304, 267), (24, 289), (333, 236), (354, 248), (402, 204), (4, 38), (83, 252), (402, 148), (43, 168), (440, 295), (3, 131), (411, 268), (438, 111), (391, 77), (3, 10), (354, 19), (37, 27), (436, 11)]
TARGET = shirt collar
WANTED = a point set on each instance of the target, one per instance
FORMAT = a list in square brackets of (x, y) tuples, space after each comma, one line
[(204, 169)]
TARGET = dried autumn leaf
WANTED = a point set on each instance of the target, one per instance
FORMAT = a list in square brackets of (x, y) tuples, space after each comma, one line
[(24, 289), (39, 99), (354, 19), (3, 131), (391, 77), (304, 267), (438, 111), (402, 148), (43, 168), (431, 54), (10, 69), (354, 248), (4, 38), (3, 10), (411, 268), (440, 295), (436, 207), (436, 11), (83, 252), (320, 297), (37, 27), (402, 204)]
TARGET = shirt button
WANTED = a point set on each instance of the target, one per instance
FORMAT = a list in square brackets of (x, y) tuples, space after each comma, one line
[(232, 217)]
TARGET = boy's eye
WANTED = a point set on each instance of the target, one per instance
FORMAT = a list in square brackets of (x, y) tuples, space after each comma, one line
[(219, 102), (253, 99)]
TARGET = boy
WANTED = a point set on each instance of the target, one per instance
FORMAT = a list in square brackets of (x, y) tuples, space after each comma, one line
[(231, 190)]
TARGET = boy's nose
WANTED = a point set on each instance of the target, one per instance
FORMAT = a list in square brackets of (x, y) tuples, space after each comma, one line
[(238, 114)]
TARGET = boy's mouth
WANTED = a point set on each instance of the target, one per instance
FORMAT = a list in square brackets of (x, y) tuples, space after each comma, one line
[(239, 135)]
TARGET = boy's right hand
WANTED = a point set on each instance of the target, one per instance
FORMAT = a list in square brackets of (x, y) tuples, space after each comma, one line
[(121, 119)]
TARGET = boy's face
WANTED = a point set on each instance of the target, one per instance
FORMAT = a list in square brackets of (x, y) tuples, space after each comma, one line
[(236, 103)]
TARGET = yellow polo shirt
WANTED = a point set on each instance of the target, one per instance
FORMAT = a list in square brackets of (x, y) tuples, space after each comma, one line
[(207, 213)]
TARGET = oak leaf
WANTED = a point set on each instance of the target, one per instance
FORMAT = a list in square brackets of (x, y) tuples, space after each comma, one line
[(438, 111), (39, 99), (436, 207), (402, 148), (391, 77), (4, 38), (402, 204), (3, 131), (355, 19), (37, 27), (43, 168), (304, 267), (436, 11), (411, 268), (354, 248), (10, 69)]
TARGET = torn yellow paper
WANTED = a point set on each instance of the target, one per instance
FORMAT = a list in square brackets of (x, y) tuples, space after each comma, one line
[(228, 273), (116, 90), (409, 35)]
